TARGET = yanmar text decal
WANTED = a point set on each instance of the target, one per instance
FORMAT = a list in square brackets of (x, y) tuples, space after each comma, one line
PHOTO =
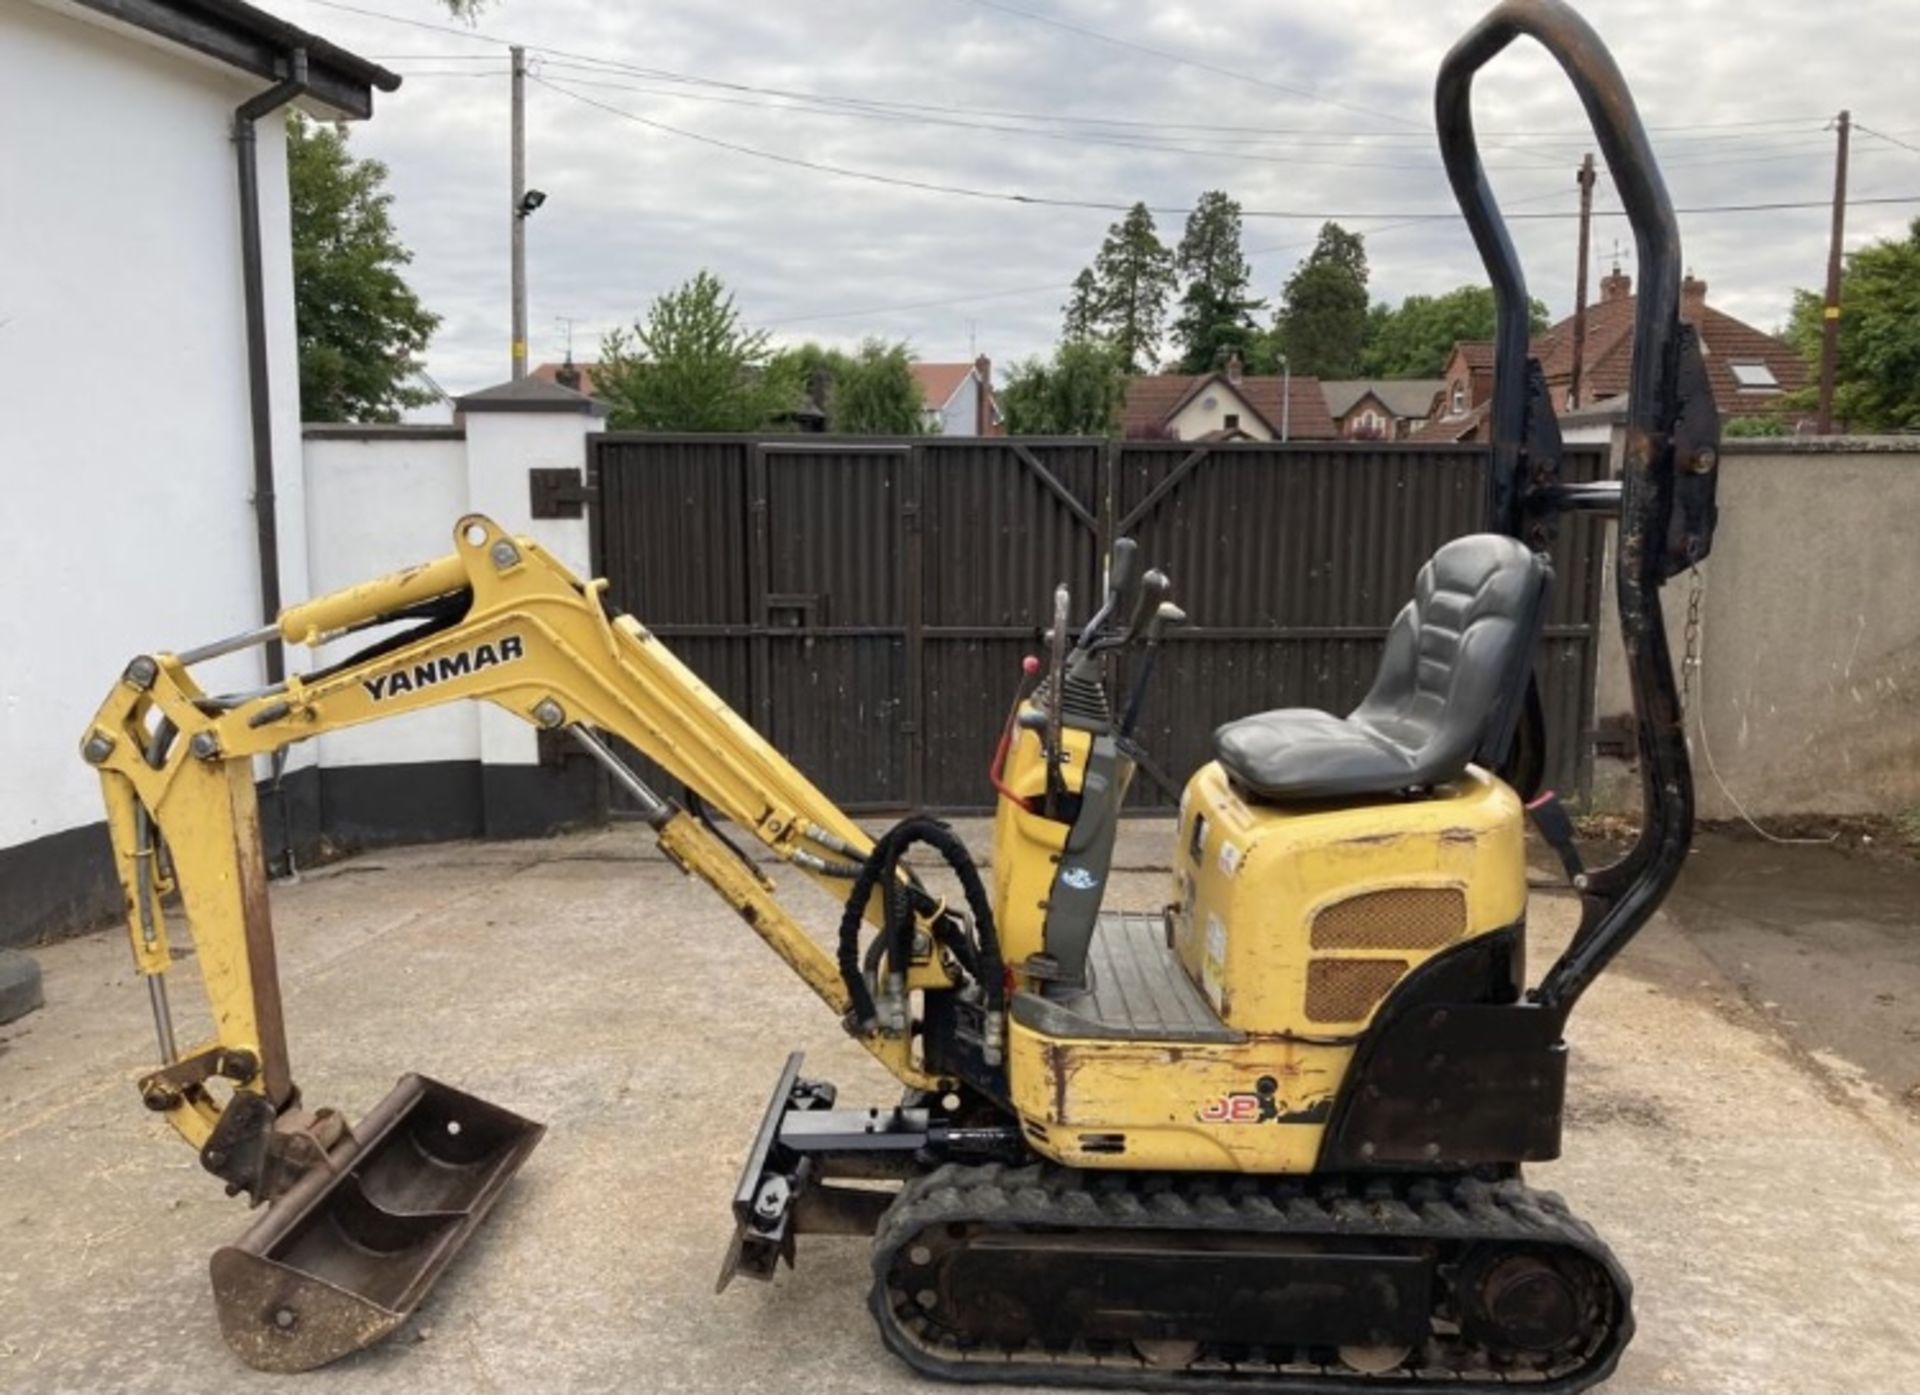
[(445, 668)]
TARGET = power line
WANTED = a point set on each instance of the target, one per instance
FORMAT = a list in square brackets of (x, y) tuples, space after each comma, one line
[(1110, 206), (1328, 137), (1882, 135), (864, 113), (1070, 137), (934, 187), (1319, 136)]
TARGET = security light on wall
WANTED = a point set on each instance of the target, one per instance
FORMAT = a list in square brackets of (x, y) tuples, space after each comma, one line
[(529, 201)]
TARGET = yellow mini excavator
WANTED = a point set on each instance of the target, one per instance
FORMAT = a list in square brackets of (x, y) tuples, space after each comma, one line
[(1269, 1137)]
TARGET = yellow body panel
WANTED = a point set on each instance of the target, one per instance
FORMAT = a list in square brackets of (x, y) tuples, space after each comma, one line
[(1251, 884), (1249, 880), (1178, 1106), (1026, 846)]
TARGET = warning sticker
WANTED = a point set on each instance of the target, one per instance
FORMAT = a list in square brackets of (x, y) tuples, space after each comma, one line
[(1229, 859), (1213, 968)]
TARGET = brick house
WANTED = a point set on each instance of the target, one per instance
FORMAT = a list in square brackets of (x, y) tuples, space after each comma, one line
[(1752, 372), (1380, 409)]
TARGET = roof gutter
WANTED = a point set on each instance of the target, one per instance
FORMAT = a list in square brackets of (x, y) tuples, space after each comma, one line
[(260, 396)]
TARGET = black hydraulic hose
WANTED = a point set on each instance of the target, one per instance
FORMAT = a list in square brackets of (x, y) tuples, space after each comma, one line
[(695, 805), (881, 865)]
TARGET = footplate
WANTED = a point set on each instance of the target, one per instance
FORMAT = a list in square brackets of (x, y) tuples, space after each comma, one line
[(340, 1259)]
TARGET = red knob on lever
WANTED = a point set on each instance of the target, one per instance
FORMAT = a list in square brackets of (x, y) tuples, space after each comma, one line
[(1030, 665)]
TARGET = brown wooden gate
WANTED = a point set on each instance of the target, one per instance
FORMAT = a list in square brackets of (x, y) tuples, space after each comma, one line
[(866, 603)]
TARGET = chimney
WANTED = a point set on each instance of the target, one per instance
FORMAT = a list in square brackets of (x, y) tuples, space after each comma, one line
[(983, 396), (1616, 285), (1234, 368), (1693, 299), (567, 375)]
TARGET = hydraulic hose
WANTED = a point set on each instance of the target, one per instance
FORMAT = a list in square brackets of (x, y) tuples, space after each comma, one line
[(881, 867)]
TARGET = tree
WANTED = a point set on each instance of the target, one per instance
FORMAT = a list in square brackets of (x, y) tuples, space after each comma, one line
[(1415, 340), (868, 393), (1078, 392), (873, 393), (1134, 276), (1877, 375), (1216, 313), (691, 366), (359, 326), (1322, 324), (1080, 316), (1804, 325)]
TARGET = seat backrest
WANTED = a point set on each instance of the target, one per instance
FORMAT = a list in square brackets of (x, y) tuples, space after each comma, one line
[(1453, 679)]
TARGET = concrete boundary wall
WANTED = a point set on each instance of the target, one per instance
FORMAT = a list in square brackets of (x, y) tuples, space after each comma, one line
[(1807, 697)]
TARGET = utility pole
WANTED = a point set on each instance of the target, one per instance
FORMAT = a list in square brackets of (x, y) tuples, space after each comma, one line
[(1580, 279), (519, 211), (1830, 312)]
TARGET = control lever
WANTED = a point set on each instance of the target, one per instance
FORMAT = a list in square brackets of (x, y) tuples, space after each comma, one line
[(1166, 616), (1051, 748), (1122, 583), (1154, 587), (1121, 569)]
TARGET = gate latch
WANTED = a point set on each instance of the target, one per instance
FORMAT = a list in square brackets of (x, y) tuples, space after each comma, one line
[(559, 492)]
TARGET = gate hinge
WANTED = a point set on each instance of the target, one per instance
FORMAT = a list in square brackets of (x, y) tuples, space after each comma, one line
[(559, 492)]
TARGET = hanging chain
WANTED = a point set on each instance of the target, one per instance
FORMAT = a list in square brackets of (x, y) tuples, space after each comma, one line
[(1690, 663)]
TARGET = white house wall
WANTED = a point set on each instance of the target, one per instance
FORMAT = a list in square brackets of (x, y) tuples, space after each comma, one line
[(960, 416), (124, 423), (1198, 419), (375, 505)]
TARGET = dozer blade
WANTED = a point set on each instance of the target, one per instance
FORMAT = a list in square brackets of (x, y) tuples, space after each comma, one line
[(345, 1254)]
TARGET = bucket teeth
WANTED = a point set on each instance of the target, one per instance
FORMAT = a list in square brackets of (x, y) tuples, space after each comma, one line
[(338, 1262)]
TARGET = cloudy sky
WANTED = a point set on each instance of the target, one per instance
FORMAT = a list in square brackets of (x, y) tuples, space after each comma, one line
[(1294, 107)]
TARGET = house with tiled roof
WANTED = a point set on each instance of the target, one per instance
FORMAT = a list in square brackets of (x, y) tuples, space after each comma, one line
[(1460, 411), (1225, 405), (1380, 409), (957, 398), (1751, 371), (578, 376)]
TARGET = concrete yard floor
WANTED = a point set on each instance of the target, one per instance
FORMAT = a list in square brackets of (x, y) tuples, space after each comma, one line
[(1738, 1129)]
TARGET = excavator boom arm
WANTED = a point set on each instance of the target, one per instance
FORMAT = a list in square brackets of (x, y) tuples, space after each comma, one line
[(502, 621)]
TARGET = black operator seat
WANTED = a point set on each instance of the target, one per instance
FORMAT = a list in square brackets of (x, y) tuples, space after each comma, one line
[(1451, 686)]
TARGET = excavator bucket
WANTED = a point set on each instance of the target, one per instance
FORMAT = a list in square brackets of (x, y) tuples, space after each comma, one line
[(340, 1259)]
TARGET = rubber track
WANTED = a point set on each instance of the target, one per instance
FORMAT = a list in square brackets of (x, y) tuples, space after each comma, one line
[(1450, 1210)]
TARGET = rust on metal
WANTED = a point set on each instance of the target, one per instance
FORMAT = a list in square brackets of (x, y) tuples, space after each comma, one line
[(340, 1259)]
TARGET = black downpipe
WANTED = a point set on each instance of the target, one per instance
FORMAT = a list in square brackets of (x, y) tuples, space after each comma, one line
[(259, 391), (1619, 899)]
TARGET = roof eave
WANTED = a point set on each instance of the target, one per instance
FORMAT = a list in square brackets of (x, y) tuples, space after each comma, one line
[(252, 41)]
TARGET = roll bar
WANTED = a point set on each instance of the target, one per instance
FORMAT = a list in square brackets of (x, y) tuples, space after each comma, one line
[(1665, 497)]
